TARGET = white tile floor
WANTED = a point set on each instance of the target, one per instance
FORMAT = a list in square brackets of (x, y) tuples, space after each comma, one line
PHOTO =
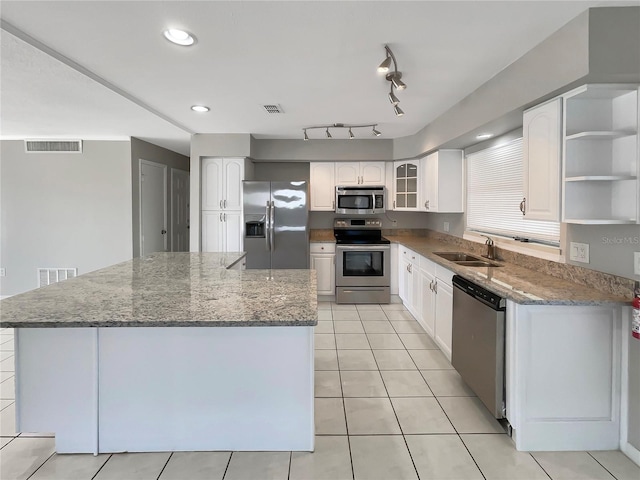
[(388, 406)]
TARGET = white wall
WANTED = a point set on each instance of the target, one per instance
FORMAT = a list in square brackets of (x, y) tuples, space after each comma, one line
[(63, 210)]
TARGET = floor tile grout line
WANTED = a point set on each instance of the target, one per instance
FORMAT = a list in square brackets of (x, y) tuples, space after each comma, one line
[(165, 465), (344, 407), (226, 469), (471, 455), (48, 458), (102, 466), (540, 465), (600, 463)]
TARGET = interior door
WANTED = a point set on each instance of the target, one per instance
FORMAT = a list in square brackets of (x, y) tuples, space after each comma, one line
[(179, 210), (153, 207)]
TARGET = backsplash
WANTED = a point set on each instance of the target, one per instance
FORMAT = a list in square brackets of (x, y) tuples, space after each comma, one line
[(605, 282)]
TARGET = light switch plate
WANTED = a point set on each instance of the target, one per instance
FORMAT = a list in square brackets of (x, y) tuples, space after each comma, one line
[(636, 263), (579, 252), (446, 226)]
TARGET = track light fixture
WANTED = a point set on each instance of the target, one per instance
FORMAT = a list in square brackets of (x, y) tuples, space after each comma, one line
[(349, 127), (394, 77)]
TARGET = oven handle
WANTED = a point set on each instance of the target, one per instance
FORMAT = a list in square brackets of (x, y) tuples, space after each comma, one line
[(363, 247), (369, 289)]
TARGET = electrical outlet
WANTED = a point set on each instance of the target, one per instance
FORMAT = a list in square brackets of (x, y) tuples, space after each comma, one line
[(3, 272), (579, 252), (636, 263), (446, 226)]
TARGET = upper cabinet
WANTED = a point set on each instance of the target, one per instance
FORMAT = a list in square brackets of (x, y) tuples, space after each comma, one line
[(406, 185), (222, 183), (360, 173), (542, 147), (322, 186), (442, 184), (601, 161)]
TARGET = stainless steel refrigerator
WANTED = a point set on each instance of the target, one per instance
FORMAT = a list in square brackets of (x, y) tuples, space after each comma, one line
[(276, 229)]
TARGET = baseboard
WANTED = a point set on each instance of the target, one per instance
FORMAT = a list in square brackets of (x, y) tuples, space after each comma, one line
[(632, 452)]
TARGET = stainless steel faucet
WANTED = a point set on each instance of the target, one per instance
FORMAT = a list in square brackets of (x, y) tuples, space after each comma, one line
[(491, 248)]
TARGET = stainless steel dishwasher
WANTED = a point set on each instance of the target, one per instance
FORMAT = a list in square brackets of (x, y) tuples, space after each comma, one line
[(477, 350)]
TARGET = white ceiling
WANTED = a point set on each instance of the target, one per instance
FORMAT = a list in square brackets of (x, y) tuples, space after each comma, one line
[(316, 59)]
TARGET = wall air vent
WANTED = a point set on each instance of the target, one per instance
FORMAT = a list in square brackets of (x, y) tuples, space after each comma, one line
[(273, 108), (53, 146), (47, 276)]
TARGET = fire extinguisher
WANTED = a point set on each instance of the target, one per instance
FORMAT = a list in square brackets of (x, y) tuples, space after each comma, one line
[(635, 314)]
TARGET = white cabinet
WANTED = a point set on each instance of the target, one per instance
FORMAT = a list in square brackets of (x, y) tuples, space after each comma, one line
[(601, 155), (563, 366), (442, 182), (221, 195), (323, 261), (542, 135), (222, 231), (408, 285), (360, 173), (406, 185), (322, 186), (436, 309)]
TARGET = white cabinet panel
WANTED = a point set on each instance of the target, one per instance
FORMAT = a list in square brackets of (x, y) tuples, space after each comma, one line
[(407, 179), (444, 317), (322, 186), (442, 182), (212, 183), (212, 232), (347, 173), (372, 173), (232, 228), (542, 136), (324, 265), (428, 304), (233, 176)]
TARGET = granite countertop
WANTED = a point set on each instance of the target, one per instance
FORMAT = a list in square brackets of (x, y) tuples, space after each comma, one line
[(170, 290), (520, 284), (321, 235)]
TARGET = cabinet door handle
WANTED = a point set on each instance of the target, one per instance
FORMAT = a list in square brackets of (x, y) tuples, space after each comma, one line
[(435, 287), (225, 217), (220, 216), (333, 207), (394, 204), (523, 205), (431, 285), (220, 204), (224, 203)]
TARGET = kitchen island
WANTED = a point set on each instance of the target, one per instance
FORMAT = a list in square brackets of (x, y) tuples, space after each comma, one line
[(128, 358)]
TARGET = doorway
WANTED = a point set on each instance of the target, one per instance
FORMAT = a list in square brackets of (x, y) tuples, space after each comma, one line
[(179, 210), (153, 207)]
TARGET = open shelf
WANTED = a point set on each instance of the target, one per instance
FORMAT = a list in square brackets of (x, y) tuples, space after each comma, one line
[(600, 135), (599, 178)]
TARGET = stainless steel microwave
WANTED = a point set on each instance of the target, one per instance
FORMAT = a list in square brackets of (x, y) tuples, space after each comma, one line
[(359, 200)]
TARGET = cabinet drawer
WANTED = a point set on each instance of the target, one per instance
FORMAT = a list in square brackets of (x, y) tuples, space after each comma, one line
[(427, 265), (408, 254), (322, 247), (444, 275)]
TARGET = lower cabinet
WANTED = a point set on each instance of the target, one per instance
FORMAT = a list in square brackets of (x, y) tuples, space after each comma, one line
[(408, 286), (323, 261), (222, 231), (443, 315)]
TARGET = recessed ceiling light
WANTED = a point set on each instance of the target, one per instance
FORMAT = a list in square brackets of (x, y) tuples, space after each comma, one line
[(179, 37), (199, 108), (484, 136)]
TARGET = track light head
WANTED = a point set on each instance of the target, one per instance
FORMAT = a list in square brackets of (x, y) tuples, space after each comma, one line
[(306, 137), (328, 133), (392, 97), (376, 132), (398, 111), (384, 66), (394, 78), (351, 135)]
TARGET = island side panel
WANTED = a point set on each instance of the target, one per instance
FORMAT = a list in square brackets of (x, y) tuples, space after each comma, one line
[(56, 386), (563, 377), (203, 388)]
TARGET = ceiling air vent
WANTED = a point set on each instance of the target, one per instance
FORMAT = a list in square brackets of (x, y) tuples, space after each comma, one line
[(53, 146), (273, 108)]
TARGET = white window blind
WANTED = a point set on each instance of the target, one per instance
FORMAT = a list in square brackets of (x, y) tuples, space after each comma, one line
[(494, 193)]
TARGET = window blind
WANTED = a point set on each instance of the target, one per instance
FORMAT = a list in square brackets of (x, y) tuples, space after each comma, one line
[(494, 193)]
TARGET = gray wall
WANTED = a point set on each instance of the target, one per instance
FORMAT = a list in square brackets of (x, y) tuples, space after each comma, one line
[(322, 150), (63, 210), (141, 150), (281, 171)]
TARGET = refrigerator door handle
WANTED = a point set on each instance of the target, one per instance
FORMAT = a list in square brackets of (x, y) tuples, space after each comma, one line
[(272, 224), (267, 242)]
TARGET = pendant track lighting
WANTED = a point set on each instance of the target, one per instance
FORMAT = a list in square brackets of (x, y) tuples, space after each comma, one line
[(349, 128), (394, 77)]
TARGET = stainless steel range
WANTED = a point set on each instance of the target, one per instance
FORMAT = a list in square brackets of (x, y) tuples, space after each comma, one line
[(363, 261)]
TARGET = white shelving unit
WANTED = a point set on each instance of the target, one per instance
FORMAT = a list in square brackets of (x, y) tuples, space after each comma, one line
[(600, 150)]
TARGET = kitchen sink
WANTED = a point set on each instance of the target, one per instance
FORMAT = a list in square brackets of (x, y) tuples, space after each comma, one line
[(466, 260)]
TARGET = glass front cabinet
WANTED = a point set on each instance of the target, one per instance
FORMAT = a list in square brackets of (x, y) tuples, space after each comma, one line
[(406, 185)]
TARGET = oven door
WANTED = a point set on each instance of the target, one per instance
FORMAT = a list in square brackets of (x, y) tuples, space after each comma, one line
[(363, 265)]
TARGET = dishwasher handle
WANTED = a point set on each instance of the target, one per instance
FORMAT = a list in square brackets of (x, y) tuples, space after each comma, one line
[(493, 300)]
